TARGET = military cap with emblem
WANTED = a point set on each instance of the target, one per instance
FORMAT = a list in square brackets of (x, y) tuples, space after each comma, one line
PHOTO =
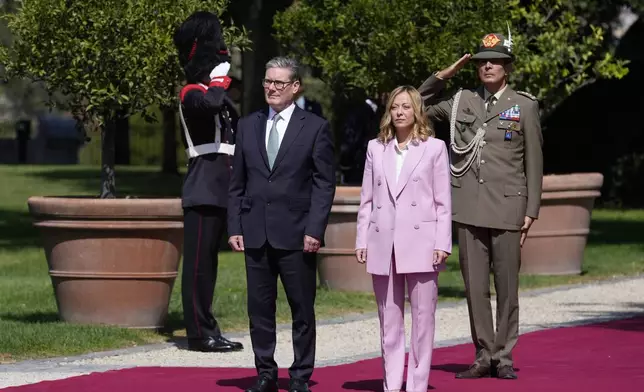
[(495, 46)]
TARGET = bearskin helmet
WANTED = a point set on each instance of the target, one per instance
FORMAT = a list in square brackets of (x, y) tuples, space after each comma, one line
[(200, 46)]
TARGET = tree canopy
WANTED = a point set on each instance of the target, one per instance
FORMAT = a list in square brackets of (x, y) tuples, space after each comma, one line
[(376, 45), (103, 59), (104, 56)]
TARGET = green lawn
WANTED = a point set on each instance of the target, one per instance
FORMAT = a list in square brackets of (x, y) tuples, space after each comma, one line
[(29, 325)]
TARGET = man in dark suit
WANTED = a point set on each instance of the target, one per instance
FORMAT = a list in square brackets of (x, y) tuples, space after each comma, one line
[(361, 125), (281, 190)]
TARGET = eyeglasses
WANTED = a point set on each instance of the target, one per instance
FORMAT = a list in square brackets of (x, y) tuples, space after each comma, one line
[(279, 85)]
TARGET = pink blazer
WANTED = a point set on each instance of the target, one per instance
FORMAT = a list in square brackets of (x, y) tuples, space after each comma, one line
[(412, 216)]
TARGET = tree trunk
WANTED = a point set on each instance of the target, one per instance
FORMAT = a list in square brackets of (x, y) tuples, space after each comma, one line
[(108, 131), (256, 16), (122, 140), (169, 140)]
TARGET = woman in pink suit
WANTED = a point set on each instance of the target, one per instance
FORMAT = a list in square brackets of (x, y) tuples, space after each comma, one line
[(404, 233)]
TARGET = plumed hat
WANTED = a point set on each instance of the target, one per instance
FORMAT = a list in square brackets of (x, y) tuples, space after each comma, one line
[(200, 45)]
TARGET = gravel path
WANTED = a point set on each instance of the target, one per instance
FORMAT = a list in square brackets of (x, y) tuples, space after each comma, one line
[(356, 337)]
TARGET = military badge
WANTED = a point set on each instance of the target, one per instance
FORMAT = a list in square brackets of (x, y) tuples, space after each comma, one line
[(514, 126), (490, 40), (514, 114), (508, 135)]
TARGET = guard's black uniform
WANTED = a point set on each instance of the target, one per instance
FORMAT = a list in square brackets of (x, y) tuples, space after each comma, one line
[(209, 138)]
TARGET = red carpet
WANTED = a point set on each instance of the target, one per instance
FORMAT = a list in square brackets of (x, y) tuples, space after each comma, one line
[(599, 357)]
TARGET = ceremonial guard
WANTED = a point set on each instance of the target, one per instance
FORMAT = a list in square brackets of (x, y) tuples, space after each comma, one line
[(496, 175), (209, 139)]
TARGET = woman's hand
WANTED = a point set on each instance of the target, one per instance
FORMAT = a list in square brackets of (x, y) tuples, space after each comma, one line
[(439, 257), (361, 255)]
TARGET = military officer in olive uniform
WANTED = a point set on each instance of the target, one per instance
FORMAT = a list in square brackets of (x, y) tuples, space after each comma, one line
[(496, 166)]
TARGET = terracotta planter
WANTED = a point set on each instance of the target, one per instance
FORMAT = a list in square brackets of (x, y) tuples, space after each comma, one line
[(337, 264), (556, 241), (111, 261), (555, 245)]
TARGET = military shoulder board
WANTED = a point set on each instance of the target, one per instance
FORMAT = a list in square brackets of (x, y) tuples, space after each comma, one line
[(532, 97)]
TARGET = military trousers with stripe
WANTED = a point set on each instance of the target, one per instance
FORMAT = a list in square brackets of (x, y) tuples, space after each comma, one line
[(483, 249), (203, 230)]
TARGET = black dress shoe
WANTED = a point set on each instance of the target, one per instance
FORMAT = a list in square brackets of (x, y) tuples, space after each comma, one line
[(298, 386), (264, 384), (214, 344)]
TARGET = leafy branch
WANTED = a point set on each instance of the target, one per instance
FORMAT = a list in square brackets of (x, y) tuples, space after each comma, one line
[(103, 59)]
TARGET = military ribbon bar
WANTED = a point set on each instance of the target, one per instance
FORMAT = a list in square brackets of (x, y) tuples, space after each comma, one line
[(514, 114)]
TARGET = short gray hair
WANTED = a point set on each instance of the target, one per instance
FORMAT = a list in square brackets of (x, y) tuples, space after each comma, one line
[(286, 62)]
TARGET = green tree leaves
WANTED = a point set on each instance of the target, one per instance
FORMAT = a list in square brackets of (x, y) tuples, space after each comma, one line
[(108, 58), (377, 45), (105, 56)]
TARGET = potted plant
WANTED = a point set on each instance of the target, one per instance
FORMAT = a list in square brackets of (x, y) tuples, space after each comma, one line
[(111, 260), (364, 45), (556, 241)]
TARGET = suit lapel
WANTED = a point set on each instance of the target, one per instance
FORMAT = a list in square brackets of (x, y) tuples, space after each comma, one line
[(295, 124), (414, 154), (505, 102), (260, 131), (389, 164)]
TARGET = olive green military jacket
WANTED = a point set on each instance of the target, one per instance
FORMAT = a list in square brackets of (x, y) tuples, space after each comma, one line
[(504, 186)]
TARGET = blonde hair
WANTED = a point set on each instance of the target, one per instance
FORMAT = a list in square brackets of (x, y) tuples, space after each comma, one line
[(422, 130)]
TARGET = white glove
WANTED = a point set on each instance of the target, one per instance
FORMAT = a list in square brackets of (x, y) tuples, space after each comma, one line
[(220, 70)]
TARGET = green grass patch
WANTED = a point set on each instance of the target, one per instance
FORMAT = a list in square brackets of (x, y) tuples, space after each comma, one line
[(30, 327)]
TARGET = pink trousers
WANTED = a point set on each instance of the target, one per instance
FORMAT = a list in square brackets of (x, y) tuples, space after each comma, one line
[(390, 295)]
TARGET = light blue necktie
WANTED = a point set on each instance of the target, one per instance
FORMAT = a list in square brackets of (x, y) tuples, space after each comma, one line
[(273, 142)]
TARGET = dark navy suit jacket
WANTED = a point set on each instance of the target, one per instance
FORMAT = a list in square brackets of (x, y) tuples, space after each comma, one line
[(207, 179), (292, 200)]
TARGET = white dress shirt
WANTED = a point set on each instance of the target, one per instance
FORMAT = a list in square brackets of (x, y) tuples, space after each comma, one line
[(281, 124), (401, 153)]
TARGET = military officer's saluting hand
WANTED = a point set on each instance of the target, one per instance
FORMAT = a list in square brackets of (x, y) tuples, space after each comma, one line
[(496, 174), (450, 71)]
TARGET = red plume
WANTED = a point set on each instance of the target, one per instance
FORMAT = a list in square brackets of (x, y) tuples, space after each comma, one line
[(193, 50)]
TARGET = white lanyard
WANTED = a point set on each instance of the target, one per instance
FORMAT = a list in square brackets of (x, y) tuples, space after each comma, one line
[(473, 148), (216, 147)]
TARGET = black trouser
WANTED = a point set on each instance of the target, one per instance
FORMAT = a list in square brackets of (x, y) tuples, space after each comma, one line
[(297, 271), (203, 227)]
